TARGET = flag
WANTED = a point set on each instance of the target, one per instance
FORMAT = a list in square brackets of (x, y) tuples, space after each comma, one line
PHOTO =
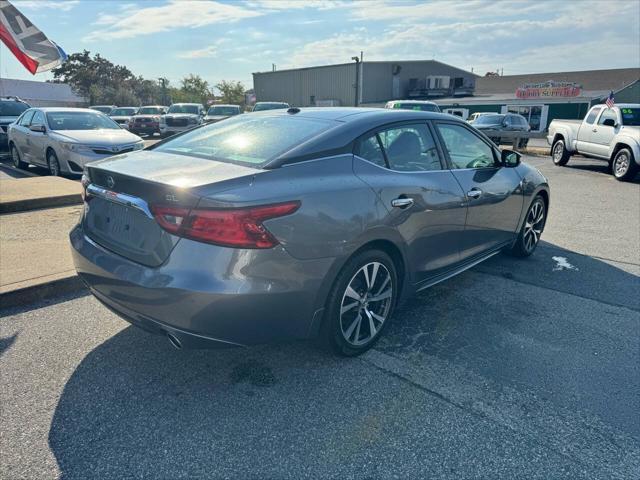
[(610, 103), (29, 45)]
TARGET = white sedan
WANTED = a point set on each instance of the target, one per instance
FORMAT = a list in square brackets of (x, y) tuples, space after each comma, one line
[(65, 139)]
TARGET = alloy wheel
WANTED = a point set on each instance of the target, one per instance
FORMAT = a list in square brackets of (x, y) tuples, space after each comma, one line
[(621, 164), (533, 226), (15, 156), (54, 166), (366, 303), (557, 151)]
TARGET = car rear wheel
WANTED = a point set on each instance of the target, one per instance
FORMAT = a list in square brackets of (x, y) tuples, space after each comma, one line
[(531, 230), (624, 167), (17, 161), (560, 154), (360, 303), (54, 164)]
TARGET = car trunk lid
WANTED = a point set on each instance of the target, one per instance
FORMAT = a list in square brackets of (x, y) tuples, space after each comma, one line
[(123, 190)]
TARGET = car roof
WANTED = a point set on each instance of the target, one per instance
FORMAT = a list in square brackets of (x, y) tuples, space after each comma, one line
[(65, 109), (185, 103), (417, 102), (224, 105), (273, 103)]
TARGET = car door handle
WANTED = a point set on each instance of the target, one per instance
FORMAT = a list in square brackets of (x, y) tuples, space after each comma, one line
[(474, 193), (402, 202)]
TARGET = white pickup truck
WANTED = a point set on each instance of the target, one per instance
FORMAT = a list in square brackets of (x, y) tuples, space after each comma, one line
[(611, 134)]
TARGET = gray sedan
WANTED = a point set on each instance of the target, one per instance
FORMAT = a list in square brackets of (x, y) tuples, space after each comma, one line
[(64, 140), (298, 223)]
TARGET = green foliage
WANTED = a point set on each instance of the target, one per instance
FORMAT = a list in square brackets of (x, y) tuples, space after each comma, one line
[(103, 82), (231, 92)]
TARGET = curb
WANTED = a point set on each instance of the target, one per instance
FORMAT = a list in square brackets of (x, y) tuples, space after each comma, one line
[(11, 168), (43, 291), (39, 203)]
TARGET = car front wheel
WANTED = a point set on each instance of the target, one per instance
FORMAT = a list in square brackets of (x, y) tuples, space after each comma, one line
[(531, 230), (54, 164), (360, 303), (624, 167)]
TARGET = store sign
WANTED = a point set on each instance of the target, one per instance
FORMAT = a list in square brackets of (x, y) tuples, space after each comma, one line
[(549, 89)]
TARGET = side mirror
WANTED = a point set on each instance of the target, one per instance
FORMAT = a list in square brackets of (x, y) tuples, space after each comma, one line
[(37, 128), (609, 122), (510, 158)]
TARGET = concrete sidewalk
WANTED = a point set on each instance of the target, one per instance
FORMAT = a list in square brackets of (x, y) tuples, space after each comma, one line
[(35, 259), (23, 194)]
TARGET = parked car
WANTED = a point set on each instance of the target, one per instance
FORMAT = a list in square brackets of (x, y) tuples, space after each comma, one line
[(261, 106), (147, 120), (10, 109), (64, 140), (421, 105), (503, 122), (106, 109), (181, 117), (301, 222), (220, 112), (122, 115), (474, 116), (610, 134)]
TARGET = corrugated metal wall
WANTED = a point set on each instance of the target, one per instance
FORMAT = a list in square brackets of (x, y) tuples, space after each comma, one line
[(296, 87)]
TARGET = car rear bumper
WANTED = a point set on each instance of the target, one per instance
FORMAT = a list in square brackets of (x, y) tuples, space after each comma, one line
[(205, 295)]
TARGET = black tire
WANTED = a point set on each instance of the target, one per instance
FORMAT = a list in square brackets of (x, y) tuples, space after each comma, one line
[(335, 324), (623, 166), (523, 247), (559, 153), (523, 143), (54, 164), (17, 160)]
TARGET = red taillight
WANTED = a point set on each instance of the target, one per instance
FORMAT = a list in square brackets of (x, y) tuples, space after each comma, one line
[(233, 227)]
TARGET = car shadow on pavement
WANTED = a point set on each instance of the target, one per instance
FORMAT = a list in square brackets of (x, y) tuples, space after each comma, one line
[(595, 167), (136, 407)]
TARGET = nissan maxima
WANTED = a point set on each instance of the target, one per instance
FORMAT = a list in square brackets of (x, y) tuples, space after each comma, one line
[(299, 223), (64, 140)]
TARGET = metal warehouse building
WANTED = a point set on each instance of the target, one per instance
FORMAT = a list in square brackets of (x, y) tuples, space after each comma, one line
[(41, 94), (335, 85)]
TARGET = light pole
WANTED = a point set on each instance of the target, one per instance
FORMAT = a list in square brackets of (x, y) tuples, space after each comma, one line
[(357, 60)]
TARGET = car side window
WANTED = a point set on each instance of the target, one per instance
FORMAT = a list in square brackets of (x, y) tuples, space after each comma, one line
[(592, 115), (410, 148), (38, 118), (26, 119), (466, 150), (608, 113), (370, 149)]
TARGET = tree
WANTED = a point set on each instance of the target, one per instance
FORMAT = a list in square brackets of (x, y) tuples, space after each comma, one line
[(232, 92), (195, 89)]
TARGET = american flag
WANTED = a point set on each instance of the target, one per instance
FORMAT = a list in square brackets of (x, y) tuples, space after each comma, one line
[(610, 103)]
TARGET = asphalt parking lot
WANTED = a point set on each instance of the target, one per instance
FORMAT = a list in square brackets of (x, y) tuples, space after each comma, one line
[(514, 369)]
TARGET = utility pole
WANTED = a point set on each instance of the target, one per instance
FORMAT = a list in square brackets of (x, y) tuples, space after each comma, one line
[(357, 60), (163, 84)]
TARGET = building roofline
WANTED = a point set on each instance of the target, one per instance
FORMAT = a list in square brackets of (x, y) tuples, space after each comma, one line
[(364, 62), (563, 72)]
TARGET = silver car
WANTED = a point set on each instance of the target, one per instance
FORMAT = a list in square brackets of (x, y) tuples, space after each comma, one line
[(181, 117), (298, 223), (123, 115), (64, 140)]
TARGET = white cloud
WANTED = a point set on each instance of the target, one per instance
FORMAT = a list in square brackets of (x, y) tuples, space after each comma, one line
[(576, 35), (175, 14), (64, 5), (210, 51), (299, 4)]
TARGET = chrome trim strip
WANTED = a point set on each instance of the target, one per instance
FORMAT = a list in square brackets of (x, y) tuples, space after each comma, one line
[(120, 198)]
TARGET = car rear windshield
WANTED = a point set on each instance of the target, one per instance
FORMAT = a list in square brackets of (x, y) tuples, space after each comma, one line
[(102, 109), (149, 111), (246, 139), (193, 109), (269, 106), (489, 119), (12, 109), (421, 107), (80, 121), (223, 111), (630, 116), (122, 112)]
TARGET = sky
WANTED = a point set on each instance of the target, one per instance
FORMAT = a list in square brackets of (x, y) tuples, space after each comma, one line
[(229, 40)]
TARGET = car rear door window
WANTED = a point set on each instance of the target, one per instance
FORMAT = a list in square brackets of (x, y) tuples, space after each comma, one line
[(26, 119), (592, 115), (465, 149), (371, 150)]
